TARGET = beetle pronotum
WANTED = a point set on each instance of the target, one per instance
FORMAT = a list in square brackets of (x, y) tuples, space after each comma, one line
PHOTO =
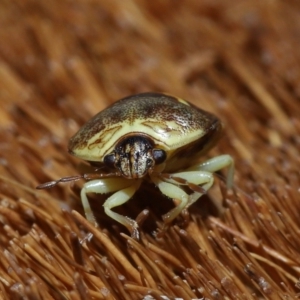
[(149, 135)]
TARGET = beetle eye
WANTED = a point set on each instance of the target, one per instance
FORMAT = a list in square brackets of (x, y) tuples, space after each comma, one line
[(109, 160), (159, 156)]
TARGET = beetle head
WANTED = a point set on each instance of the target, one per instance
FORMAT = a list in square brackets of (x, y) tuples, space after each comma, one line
[(134, 157)]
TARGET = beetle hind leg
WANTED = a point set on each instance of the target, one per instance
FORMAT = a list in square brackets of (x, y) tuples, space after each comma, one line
[(198, 181), (171, 187)]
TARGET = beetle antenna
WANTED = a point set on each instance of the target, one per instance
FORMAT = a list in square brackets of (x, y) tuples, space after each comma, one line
[(88, 176), (50, 184)]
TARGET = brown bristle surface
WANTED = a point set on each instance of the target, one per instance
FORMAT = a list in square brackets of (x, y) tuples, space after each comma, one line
[(61, 62)]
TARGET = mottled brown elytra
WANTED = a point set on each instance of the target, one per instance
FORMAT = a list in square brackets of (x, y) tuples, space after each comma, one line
[(149, 135)]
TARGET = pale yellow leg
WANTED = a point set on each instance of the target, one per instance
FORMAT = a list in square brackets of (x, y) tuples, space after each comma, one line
[(204, 178), (215, 164), (120, 198), (172, 191), (100, 186)]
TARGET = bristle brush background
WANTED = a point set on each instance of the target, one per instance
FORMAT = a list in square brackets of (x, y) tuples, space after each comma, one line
[(63, 61)]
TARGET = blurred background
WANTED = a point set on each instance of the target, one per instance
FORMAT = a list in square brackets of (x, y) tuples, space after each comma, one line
[(61, 62)]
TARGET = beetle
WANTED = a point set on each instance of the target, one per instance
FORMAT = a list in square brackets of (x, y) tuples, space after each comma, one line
[(149, 135)]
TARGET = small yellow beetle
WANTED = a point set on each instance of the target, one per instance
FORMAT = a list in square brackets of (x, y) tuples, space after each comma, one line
[(151, 135)]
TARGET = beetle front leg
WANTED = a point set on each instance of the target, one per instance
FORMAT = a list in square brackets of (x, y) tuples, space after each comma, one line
[(100, 186), (120, 198), (169, 187), (217, 163), (174, 192), (204, 178)]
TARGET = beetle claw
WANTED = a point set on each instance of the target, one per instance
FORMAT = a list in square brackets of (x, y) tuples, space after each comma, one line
[(133, 228), (160, 233), (87, 238)]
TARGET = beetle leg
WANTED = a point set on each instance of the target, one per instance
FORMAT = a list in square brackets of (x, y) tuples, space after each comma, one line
[(172, 191), (191, 179), (215, 164), (120, 198), (100, 186), (181, 181)]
